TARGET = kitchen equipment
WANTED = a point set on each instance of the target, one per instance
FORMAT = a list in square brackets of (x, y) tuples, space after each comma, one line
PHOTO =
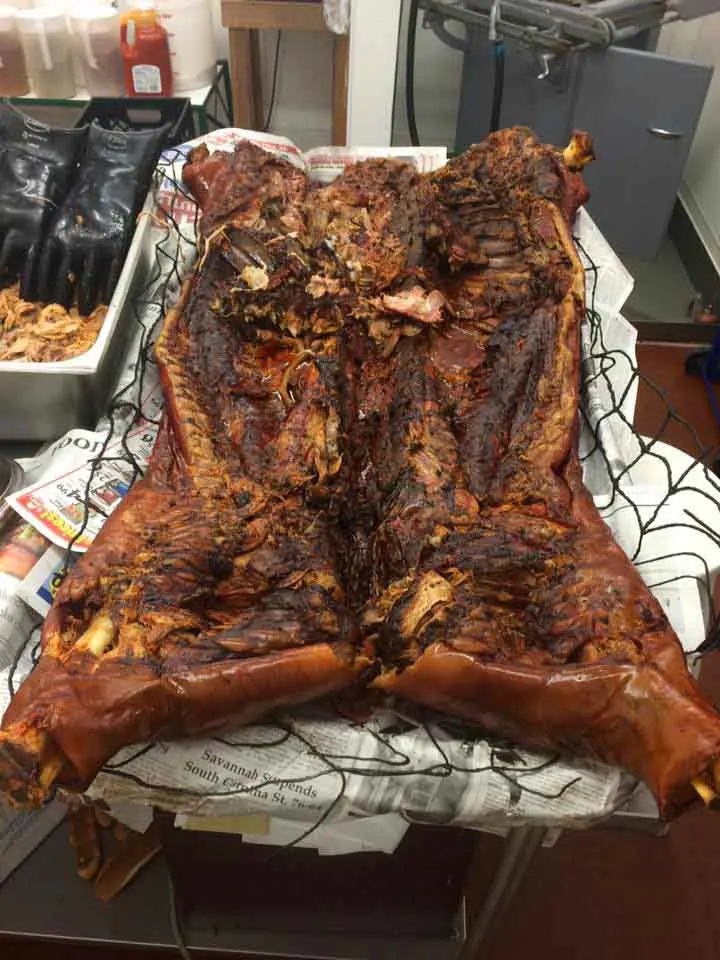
[(142, 114), (146, 54), (48, 54), (13, 75), (589, 66), (41, 401), (96, 36), (192, 43), (87, 240)]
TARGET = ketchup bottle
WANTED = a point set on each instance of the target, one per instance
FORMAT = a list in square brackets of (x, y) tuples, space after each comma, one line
[(146, 54)]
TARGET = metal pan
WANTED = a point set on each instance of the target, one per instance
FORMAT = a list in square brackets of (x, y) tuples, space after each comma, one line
[(41, 401)]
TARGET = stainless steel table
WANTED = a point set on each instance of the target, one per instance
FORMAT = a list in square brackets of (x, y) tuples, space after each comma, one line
[(45, 900)]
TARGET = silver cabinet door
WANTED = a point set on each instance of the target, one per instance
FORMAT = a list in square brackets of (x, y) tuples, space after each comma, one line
[(623, 96), (543, 105)]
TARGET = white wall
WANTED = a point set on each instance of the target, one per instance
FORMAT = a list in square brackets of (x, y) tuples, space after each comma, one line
[(372, 68), (699, 40)]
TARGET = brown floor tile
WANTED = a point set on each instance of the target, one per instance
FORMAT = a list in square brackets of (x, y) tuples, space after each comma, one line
[(664, 365), (602, 894)]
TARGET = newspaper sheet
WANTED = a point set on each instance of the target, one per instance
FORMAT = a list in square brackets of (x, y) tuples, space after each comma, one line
[(39, 587), (71, 507), (304, 768), (19, 552), (608, 349), (309, 767), (608, 282), (355, 834), (608, 442), (671, 570), (381, 834)]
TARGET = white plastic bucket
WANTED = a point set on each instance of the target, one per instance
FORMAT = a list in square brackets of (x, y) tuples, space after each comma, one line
[(48, 56), (96, 36), (192, 42), (13, 75)]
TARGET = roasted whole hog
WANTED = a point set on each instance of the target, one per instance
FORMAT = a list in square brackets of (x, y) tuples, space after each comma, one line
[(367, 475)]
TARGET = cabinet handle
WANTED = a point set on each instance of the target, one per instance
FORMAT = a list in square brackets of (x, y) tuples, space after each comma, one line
[(665, 134)]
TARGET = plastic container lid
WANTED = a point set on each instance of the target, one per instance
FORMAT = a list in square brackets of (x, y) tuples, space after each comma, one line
[(143, 16), (97, 11), (37, 19), (192, 42), (94, 21), (169, 5), (7, 19)]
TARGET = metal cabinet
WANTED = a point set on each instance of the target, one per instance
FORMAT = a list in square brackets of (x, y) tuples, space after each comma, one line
[(543, 105), (641, 109)]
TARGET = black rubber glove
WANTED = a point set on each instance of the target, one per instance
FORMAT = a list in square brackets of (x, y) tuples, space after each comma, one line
[(90, 234), (37, 164)]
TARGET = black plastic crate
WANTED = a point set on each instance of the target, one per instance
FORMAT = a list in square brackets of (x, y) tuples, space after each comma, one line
[(142, 113)]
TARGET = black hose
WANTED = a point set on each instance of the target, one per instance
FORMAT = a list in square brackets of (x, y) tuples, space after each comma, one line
[(498, 83), (410, 72), (271, 105)]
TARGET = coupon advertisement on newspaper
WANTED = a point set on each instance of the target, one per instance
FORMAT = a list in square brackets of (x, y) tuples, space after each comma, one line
[(71, 508), (84, 478)]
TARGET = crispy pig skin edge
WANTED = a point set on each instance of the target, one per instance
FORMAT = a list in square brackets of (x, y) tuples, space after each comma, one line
[(631, 716), (88, 717), (650, 719)]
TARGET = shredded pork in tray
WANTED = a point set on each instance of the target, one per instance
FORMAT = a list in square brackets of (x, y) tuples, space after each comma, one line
[(44, 332)]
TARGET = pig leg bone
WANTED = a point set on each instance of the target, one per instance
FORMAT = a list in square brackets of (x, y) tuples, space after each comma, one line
[(50, 770), (30, 764), (99, 636), (704, 789)]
